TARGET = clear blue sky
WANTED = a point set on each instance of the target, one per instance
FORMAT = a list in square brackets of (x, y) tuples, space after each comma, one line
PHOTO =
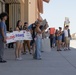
[(56, 11)]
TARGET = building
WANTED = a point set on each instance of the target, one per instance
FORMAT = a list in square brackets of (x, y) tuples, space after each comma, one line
[(73, 36), (24, 10), (2, 6)]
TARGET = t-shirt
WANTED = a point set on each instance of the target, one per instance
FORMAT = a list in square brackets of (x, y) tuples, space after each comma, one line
[(32, 27), (29, 27), (65, 33), (39, 35), (3, 25)]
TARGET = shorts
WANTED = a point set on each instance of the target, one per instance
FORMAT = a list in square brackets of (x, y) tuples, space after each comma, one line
[(20, 41), (59, 38), (66, 40)]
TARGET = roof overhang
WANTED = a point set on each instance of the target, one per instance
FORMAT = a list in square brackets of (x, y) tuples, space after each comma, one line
[(46, 1), (40, 5)]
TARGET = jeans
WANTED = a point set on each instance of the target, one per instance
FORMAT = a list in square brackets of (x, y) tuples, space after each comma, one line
[(37, 54), (51, 42), (54, 41), (1, 49)]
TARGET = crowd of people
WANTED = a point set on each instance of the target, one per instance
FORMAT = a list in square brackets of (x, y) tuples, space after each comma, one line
[(34, 46), (61, 38)]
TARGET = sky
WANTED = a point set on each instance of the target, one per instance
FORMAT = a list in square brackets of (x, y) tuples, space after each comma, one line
[(56, 11)]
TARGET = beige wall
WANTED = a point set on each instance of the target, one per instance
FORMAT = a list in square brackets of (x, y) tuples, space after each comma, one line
[(32, 11), (14, 14), (2, 6), (24, 10)]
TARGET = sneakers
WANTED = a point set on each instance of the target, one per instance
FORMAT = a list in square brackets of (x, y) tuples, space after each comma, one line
[(66, 49), (69, 49), (3, 61), (19, 58), (59, 50), (42, 51), (24, 53)]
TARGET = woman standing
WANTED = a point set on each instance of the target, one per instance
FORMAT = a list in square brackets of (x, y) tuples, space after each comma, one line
[(37, 54), (19, 42), (56, 38), (59, 39), (26, 42), (63, 39)]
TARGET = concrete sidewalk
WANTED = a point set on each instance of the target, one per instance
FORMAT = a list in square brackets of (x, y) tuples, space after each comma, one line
[(52, 63)]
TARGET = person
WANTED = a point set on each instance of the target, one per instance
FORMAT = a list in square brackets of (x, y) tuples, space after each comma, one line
[(69, 37), (63, 39), (3, 30), (43, 34), (37, 54), (54, 41), (59, 38), (11, 45), (19, 43), (66, 38), (56, 38), (26, 42), (51, 39), (32, 43)]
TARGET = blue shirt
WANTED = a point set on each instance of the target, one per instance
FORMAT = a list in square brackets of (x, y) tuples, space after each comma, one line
[(3, 25), (29, 27)]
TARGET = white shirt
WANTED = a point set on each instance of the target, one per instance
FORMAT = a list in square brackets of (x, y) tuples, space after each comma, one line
[(66, 33)]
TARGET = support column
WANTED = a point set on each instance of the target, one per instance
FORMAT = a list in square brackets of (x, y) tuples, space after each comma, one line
[(0, 7), (22, 13), (32, 10), (14, 14), (26, 11)]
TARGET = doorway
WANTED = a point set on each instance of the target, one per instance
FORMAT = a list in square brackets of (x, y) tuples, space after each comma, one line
[(7, 11)]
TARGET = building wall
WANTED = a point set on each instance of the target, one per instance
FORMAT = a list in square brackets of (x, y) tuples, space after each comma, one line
[(14, 14), (32, 11), (24, 10), (2, 6)]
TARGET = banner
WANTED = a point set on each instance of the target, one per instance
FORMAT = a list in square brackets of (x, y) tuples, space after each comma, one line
[(27, 35), (44, 22), (10, 38), (66, 22), (18, 35)]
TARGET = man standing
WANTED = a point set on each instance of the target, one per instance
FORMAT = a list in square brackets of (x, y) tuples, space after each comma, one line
[(3, 30), (69, 37)]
